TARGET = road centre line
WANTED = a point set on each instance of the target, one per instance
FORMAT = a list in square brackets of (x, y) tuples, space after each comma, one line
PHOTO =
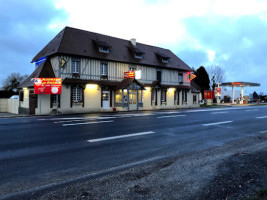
[(217, 123), (120, 136), (218, 112), (262, 117), (265, 131), (171, 116), (86, 123)]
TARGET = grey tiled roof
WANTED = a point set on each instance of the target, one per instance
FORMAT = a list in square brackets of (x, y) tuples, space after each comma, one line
[(76, 42)]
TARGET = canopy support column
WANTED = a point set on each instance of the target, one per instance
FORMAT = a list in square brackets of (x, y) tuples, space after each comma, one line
[(233, 94)]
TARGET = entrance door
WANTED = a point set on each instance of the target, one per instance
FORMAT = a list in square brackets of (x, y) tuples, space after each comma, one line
[(105, 99), (32, 103), (132, 100)]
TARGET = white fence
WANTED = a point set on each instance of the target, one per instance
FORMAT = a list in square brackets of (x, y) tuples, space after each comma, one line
[(9, 105), (3, 105)]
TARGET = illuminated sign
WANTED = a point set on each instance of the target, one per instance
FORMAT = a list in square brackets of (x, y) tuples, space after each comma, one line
[(129, 74), (47, 85), (236, 83), (191, 76), (137, 74), (218, 91), (208, 94)]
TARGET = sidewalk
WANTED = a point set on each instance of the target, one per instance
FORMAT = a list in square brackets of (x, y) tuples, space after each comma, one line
[(11, 115)]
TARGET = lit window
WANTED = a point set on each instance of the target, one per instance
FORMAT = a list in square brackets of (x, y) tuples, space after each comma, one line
[(118, 96), (103, 49), (104, 69), (140, 96), (153, 96), (76, 94)]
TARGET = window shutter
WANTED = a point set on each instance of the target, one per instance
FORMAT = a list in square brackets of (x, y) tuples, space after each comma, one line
[(186, 96), (151, 96), (178, 94), (51, 101), (59, 100), (101, 97), (21, 95), (83, 96), (110, 98), (156, 96), (71, 94), (165, 97)]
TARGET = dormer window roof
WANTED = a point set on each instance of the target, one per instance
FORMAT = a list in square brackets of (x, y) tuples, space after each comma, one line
[(102, 46), (163, 58), (138, 54)]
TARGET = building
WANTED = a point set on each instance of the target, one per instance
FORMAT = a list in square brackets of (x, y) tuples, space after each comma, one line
[(92, 67)]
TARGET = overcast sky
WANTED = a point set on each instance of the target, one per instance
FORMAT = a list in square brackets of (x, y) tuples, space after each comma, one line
[(228, 33)]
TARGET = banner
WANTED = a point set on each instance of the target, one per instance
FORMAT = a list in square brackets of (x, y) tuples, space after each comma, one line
[(218, 91), (129, 74), (47, 85)]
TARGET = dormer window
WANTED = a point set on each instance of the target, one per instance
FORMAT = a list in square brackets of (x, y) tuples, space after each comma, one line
[(103, 49), (138, 55), (165, 60), (162, 57)]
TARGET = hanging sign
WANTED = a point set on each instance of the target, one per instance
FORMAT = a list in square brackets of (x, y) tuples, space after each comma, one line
[(191, 76), (129, 74), (47, 85)]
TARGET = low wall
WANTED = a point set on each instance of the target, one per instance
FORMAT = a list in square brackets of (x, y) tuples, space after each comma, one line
[(3, 105), (13, 106)]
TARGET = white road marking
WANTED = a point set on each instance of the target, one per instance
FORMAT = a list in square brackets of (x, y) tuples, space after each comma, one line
[(218, 112), (217, 123), (171, 116), (85, 123), (120, 136), (54, 119), (265, 131), (251, 110), (263, 117)]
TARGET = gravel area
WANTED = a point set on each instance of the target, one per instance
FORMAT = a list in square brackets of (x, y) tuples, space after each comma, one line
[(237, 170)]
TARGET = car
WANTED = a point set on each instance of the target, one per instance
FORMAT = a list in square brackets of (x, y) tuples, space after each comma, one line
[(14, 97)]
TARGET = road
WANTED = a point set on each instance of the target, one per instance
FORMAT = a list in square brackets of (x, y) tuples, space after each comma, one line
[(40, 152)]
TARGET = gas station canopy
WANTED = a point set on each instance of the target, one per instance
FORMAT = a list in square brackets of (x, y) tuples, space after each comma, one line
[(239, 84)]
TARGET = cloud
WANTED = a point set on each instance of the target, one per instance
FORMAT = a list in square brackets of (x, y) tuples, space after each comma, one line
[(25, 31)]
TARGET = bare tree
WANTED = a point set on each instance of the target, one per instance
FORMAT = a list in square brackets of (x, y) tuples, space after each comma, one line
[(216, 74), (12, 82)]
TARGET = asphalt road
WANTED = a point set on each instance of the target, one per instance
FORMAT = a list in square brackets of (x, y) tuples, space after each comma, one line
[(40, 152)]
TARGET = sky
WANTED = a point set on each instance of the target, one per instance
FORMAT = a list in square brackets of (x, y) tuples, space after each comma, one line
[(229, 33)]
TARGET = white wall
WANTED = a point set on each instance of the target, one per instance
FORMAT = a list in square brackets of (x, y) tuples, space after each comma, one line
[(13, 106)]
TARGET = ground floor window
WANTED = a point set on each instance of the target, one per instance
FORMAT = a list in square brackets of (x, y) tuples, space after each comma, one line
[(176, 97), (76, 95), (140, 96), (184, 96), (118, 96), (163, 96)]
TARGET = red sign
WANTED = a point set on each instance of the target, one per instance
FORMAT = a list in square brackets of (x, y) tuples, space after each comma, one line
[(47, 85), (208, 94), (129, 74), (218, 91), (236, 83)]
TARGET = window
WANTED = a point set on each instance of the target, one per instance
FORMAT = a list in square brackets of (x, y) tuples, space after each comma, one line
[(132, 68), (118, 96), (184, 96), (159, 76), (76, 94), (180, 78), (138, 55), (76, 67), (165, 60), (103, 69), (176, 97), (104, 49), (163, 96), (153, 96)]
